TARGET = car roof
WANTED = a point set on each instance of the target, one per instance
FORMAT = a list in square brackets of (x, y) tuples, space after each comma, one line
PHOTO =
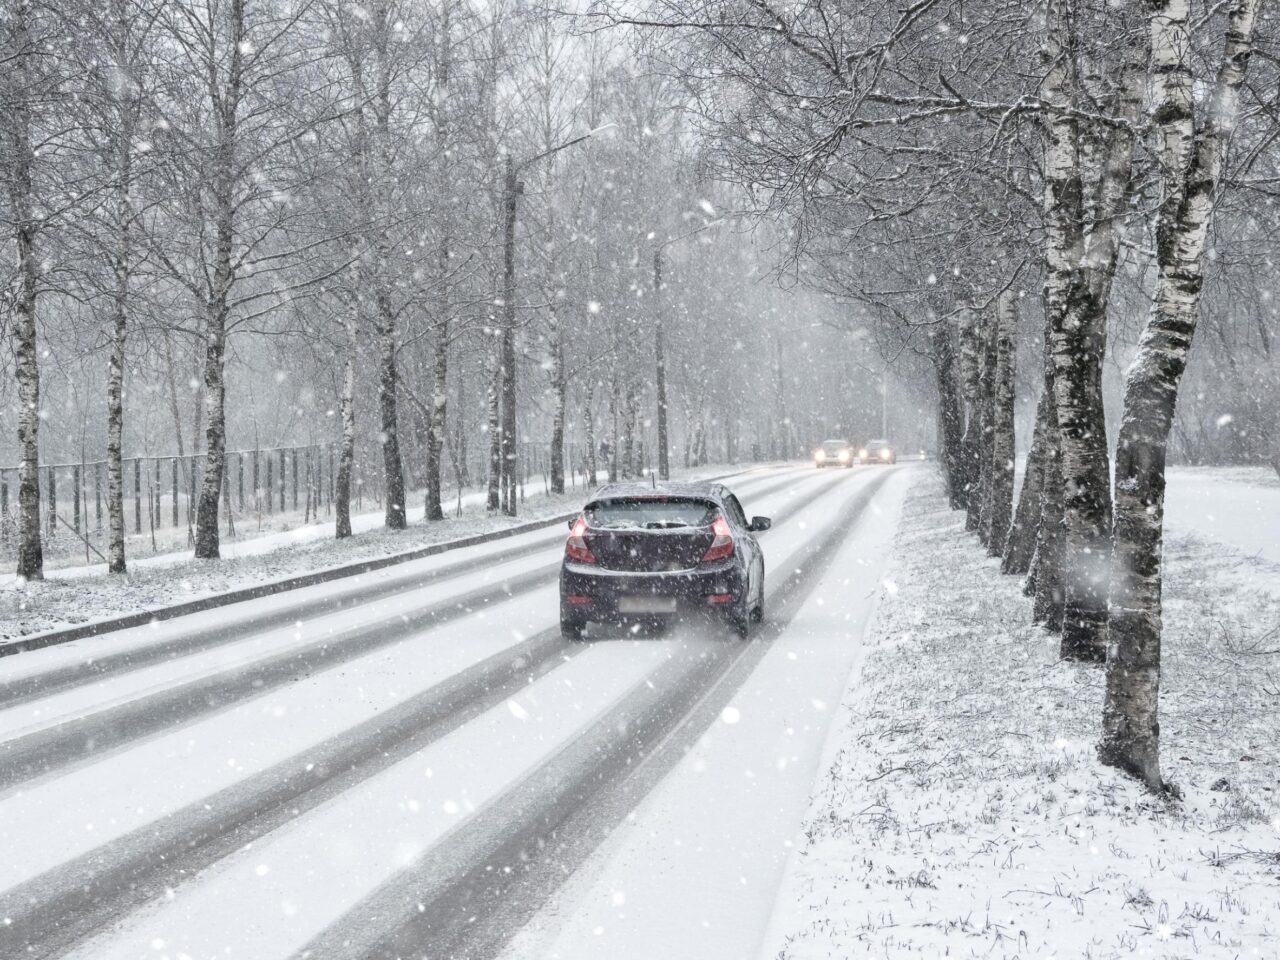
[(662, 488), (835, 440), (879, 440)]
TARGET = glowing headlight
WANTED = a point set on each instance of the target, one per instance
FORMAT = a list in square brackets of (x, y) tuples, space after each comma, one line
[(862, 454), (844, 454), (885, 454)]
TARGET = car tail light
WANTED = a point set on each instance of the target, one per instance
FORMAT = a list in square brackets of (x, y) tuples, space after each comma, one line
[(719, 599), (722, 545), (575, 548)]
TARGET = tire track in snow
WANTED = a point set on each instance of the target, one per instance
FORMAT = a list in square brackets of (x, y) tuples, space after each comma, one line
[(51, 913), (473, 890)]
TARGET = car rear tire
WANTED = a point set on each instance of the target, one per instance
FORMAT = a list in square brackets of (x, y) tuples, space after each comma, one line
[(571, 630), (740, 618)]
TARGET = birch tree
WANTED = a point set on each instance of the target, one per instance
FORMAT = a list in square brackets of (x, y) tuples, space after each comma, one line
[(27, 86), (1190, 151)]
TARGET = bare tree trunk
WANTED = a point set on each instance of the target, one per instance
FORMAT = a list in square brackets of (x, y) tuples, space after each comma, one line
[(1191, 163), (559, 390), (227, 106), (589, 436), (494, 387), (1021, 542), (27, 368), (30, 550), (949, 414), (115, 377), (507, 365), (1002, 426), (438, 422), (393, 470), (986, 423), (126, 113), (970, 391), (1063, 205), (1077, 339), (461, 468), (612, 465), (628, 430), (347, 452), (207, 538)]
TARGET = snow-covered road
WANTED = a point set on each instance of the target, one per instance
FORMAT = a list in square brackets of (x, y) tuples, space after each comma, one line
[(414, 756)]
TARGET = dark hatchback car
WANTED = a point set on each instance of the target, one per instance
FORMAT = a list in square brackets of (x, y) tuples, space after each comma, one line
[(641, 554)]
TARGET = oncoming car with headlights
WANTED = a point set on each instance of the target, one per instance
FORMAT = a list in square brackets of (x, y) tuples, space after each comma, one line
[(834, 453), (641, 553), (877, 451)]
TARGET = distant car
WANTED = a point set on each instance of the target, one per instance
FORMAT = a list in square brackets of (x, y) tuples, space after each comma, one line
[(834, 453), (877, 451), (643, 553)]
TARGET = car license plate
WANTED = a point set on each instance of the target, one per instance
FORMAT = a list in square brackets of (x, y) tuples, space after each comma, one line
[(646, 605)]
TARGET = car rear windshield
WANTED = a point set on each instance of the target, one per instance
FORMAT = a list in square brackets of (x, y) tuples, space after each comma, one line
[(834, 446), (877, 443), (650, 513)]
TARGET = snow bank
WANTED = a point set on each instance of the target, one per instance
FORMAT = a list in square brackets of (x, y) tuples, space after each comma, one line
[(964, 813)]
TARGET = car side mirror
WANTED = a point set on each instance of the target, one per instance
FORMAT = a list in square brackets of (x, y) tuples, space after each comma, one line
[(572, 521), (760, 523)]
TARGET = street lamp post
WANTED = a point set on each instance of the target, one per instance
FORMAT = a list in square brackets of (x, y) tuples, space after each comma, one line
[(659, 346), (512, 188), (664, 466)]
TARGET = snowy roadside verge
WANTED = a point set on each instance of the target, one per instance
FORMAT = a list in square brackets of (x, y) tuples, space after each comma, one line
[(58, 610), (963, 812)]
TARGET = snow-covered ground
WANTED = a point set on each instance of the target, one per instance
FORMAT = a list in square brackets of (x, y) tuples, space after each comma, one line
[(78, 594), (413, 761), (961, 811), (1238, 506)]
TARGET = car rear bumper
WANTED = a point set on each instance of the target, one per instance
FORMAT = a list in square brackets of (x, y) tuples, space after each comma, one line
[(605, 596)]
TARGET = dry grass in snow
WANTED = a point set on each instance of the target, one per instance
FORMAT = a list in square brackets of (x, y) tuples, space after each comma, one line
[(963, 812)]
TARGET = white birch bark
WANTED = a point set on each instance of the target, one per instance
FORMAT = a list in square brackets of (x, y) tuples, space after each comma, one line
[(1191, 162), (225, 99), (1002, 424), (20, 85), (1078, 343), (346, 401)]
